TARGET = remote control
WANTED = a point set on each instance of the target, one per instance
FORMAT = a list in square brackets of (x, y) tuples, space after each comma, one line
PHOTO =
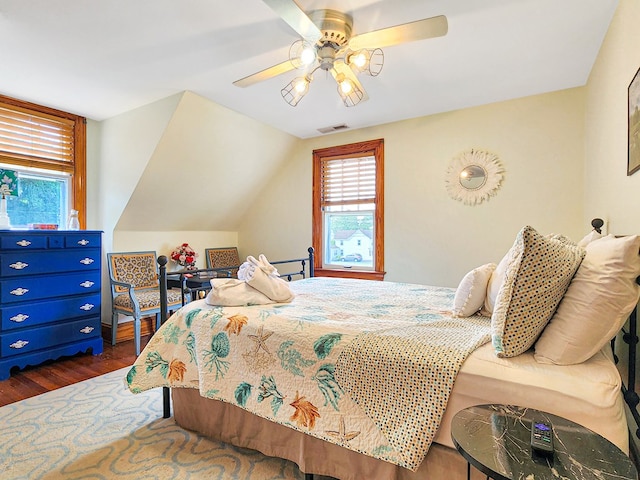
[(541, 437)]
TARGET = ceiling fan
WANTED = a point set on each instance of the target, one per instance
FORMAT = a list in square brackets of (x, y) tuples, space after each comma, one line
[(327, 44)]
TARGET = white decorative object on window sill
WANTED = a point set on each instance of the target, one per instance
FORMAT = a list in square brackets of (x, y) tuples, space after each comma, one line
[(473, 176), (8, 188), (73, 223)]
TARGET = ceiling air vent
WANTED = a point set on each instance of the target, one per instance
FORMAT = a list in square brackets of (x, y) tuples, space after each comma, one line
[(334, 128)]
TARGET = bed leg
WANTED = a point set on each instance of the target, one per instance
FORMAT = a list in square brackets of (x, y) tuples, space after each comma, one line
[(166, 405)]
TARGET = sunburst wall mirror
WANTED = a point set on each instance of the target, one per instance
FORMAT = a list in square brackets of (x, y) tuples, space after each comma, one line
[(474, 176)]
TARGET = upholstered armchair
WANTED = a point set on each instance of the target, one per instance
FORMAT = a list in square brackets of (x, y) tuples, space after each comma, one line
[(223, 258), (135, 290)]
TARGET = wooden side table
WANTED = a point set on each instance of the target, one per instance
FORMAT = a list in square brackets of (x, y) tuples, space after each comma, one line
[(495, 439)]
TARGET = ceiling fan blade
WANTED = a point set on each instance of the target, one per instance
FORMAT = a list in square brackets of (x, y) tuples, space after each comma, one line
[(341, 68), (296, 18), (407, 32), (265, 74)]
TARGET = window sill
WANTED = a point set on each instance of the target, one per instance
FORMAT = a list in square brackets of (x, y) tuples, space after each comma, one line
[(359, 274)]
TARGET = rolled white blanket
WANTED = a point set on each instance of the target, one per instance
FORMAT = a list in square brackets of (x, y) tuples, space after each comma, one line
[(275, 288), (266, 266), (261, 275), (247, 269), (231, 292)]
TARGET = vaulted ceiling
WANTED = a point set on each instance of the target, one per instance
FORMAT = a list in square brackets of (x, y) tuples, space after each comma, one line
[(100, 59)]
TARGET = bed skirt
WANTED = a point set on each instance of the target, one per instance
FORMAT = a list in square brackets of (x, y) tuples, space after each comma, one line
[(233, 425)]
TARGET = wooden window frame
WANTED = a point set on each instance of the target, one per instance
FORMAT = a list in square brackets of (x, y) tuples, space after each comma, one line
[(77, 167), (370, 147)]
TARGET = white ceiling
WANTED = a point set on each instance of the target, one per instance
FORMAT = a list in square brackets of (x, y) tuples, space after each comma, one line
[(100, 58)]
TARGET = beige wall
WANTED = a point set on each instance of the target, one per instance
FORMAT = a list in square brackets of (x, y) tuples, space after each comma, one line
[(609, 192), (207, 169), (127, 143), (164, 242), (430, 238)]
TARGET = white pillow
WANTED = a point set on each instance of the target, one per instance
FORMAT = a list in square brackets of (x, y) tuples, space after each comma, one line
[(597, 303), (588, 238), (472, 290), (539, 270)]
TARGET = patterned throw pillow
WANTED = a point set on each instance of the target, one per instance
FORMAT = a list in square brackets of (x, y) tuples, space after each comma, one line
[(538, 273), (472, 290)]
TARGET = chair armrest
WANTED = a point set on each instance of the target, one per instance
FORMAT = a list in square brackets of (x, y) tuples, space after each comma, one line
[(130, 288), (117, 283)]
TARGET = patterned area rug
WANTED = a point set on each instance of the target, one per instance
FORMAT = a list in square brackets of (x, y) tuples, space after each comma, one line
[(97, 429)]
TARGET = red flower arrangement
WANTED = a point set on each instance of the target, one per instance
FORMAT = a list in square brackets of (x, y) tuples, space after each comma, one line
[(185, 256)]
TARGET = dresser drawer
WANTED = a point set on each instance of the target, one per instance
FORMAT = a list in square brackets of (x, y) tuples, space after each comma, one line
[(24, 241), (82, 240), (30, 314), (50, 286), (31, 339), (36, 263)]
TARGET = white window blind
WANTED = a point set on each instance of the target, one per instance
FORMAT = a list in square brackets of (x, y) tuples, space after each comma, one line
[(27, 134), (348, 181)]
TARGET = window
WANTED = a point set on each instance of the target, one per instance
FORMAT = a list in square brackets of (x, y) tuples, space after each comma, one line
[(348, 210), (47, 149)]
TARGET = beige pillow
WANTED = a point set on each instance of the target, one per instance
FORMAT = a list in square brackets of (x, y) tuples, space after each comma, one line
[(597, 303), (538, 272), (496, 280), (472, 290)]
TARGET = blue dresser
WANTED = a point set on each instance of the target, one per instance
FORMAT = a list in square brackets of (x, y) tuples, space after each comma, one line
[(49, 296)]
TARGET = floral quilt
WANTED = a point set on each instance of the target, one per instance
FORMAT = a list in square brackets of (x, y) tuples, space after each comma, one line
[(362, 364)]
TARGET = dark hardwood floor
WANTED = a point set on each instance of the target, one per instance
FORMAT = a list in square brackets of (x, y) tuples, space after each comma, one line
[(51, 375)]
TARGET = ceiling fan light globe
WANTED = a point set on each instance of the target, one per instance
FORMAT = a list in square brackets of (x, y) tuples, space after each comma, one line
[(308, 55), (369, 61), (349, 92), (302, 54), (301, 85), (346, 87), (295, 90), (359, 59)]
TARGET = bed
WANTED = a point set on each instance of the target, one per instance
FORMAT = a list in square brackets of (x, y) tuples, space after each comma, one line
[(342, 380)]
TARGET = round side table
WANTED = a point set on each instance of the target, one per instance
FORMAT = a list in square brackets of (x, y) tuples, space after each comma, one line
[(495, 439)]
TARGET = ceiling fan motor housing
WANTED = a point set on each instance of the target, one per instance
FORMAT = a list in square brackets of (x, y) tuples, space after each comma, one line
[(335, 26)]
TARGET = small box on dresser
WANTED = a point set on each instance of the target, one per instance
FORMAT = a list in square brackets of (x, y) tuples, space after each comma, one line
[(50, 296)]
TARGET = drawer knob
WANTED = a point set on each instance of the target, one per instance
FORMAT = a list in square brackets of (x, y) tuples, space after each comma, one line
[(21, 317), (87, 284), (19, 291), (19, 265), (83, 242), (86, 330), (19, 344), (23, 243), (87, 261), (87, 306)]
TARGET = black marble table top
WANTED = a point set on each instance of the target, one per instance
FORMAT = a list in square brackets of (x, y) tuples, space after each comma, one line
[(495, 439)]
